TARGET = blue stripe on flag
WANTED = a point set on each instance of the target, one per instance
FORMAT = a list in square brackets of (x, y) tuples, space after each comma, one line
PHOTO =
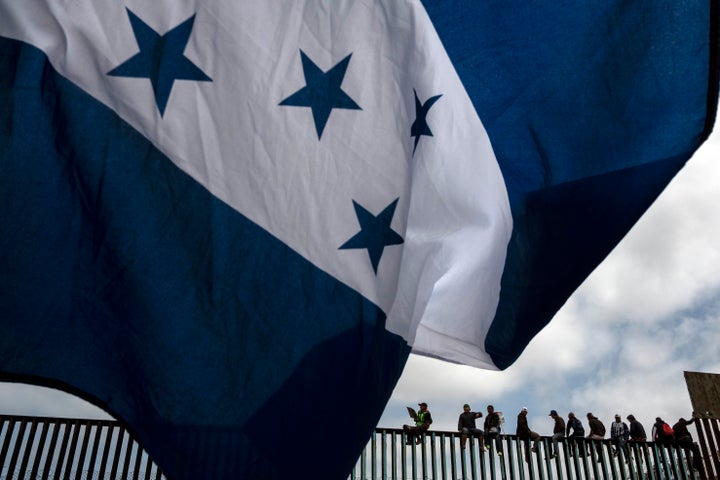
[(125, 279), (591, 111)]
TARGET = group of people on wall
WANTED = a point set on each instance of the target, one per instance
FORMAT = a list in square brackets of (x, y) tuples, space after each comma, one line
[(620, 432)]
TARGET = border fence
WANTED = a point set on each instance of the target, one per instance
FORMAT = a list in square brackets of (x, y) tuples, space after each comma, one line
[(75, 449), (440, 457), (70, 449)]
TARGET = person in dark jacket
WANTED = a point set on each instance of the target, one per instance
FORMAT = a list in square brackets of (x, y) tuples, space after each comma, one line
[(492, 429), (558, 432), (578, 433), (597, 431), (637, 431), (685, 440), (524, 433), (466, 427)]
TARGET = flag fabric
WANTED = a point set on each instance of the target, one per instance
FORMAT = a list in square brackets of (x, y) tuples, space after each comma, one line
[(228, 223)]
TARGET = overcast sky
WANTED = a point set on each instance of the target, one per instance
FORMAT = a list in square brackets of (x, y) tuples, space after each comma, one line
[(619, 345)]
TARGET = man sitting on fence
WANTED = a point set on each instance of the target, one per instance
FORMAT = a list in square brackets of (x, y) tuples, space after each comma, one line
[(423, 419), (466, 426)]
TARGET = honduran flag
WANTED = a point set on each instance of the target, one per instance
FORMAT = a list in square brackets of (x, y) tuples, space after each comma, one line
[(229, 222)]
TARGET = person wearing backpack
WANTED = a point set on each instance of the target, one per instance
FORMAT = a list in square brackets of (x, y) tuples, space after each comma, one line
[(662, 432)]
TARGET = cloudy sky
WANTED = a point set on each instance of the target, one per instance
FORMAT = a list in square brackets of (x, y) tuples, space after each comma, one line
[(620, 344)]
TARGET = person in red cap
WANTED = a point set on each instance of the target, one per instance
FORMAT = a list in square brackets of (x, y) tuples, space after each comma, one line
[(423, 419)]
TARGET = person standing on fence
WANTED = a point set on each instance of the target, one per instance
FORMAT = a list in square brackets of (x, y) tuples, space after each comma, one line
[(597, 431), (423, 419), (685, 440), (619, 434), (466, 426), (492, 429), (558, 432), (524, 433), (578, 433)]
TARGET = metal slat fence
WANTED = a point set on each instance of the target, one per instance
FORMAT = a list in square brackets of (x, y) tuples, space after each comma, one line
[(70, 449), (73, 449), (439, 457)]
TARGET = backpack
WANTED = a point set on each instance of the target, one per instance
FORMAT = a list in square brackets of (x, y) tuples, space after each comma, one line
[(667, 430)]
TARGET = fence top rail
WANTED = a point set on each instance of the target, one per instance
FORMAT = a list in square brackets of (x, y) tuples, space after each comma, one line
[(510, 436), (59, 420), (378, 430)]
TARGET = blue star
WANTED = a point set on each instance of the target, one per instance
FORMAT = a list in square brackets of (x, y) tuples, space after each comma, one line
[(420, 126), (160, 59), (322, 91), (375, 232)]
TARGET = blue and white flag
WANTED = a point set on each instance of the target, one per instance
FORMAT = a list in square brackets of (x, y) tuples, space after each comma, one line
[(228, 223)]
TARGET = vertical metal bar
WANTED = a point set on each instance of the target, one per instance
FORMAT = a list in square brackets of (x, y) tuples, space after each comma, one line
[(567, 452), (481, 458), (118, 448), (75, 426), (423, 453), (573, 455), (16, 447), (106, 451), (463, 461), (623, 462), (94, 450), (148, 468), (51, 449), (433, 456), (529, 458), (128, 455), (684, 462), (520, 460), (83, 451), (605, 461), (28, 448), (539, 458), (715, 444), (586, 456), (703, 426), (40, 449), (59, 464), (363, 459), (473, 460), (373, 457), (453, 459), (648, 451), (383, 455), (138, 461), (443, 458), (394, 454), (511, 460), (501, 458), (6, 442), (634, 463)]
